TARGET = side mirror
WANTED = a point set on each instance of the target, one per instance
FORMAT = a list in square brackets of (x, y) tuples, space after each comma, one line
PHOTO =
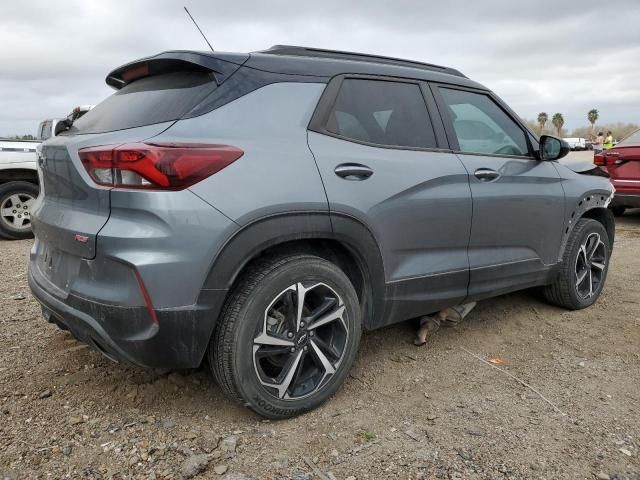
[(552, 148)]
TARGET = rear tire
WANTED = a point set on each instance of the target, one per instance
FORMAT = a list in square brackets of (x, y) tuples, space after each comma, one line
[(16, 199), (280, 357), (584, 267)]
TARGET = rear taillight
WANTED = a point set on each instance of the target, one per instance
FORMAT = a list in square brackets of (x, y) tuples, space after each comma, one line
[(599, 160), (156, 166), (606, 159)]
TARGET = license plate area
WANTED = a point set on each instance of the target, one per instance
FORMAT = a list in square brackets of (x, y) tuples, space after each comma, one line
[(58, 268)]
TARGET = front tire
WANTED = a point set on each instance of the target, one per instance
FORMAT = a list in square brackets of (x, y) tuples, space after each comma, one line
[(287, 336), (584, 267), (16, 201)]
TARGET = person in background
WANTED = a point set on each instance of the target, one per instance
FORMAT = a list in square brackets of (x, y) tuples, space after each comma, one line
[(608, 141), (598, 143)]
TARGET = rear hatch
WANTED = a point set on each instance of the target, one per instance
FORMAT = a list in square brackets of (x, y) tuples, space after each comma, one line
[(71, 208), (151, 94)]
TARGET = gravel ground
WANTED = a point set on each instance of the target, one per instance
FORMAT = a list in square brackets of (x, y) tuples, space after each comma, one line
[(405, 412)]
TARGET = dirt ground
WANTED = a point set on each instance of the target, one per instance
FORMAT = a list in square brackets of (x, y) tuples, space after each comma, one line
[(405, 412)]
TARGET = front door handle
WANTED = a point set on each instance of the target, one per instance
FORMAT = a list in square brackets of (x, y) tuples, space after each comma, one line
[(486, 174), (353, 171)]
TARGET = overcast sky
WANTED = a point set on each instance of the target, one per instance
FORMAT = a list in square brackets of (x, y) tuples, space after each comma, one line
[(553, 56)]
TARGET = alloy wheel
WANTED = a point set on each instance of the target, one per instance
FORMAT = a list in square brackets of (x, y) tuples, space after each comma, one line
[(15, 211), (590, 265), (301, 341)]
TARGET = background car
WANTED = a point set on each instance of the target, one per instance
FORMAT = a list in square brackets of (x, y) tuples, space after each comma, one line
[(18, 187), (51, 127), (19, 183), (576, 143), (622, 163)]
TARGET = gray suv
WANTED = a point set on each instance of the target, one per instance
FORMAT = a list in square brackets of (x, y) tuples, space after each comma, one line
[(261, 210)]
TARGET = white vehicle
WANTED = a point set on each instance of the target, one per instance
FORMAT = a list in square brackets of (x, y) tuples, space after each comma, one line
[(18, 187), (51, 127), (576, 143), (19, 175)]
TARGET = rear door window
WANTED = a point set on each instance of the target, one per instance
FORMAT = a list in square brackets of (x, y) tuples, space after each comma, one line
[(149, 100), (383, 113), (481, 126)]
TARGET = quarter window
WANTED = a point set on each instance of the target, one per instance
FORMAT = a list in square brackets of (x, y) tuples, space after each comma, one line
[(383, 113), (481, 126)]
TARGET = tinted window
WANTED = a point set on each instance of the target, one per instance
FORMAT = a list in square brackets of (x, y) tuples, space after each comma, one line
[(380, 112), (481, 126), (155, 99)]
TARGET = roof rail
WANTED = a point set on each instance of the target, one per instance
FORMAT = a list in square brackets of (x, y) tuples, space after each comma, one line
[(359, 57)]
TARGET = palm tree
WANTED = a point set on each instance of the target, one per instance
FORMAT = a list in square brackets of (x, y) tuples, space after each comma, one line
[(542, 120), (558, 122), (593, 118)]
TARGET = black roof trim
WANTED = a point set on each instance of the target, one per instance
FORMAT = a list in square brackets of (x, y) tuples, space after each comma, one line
[(360, 57)]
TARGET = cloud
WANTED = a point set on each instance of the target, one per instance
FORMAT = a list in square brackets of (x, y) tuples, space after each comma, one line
[(545, 55)]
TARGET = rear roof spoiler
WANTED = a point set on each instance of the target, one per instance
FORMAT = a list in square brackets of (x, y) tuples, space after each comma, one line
[(221, 65)]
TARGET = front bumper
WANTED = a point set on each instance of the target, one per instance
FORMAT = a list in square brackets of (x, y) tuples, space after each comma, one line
[(127, 334)]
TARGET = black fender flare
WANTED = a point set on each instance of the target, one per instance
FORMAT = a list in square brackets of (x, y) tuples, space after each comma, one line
[(592, 205), (248, 242)]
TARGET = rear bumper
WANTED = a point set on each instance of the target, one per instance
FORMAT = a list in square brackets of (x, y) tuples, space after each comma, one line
[(126, 334)]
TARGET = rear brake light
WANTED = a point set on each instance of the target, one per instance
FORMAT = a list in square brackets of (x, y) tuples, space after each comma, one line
[(599, 160), (606, 159), (156, 166), (135, 72)]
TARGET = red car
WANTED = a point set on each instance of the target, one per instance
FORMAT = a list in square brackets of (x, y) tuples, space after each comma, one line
[(622, 162)]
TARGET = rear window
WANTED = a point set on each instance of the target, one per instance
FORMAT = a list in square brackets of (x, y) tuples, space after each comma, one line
[(156, 99), (631, 140)]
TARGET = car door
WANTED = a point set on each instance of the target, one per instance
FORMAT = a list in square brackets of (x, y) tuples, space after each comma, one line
[(384, 165), (518, 201)]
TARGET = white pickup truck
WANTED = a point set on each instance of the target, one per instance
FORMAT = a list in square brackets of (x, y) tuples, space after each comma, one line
[(18, 186), (576, 143), (50, 127), (19, 175)]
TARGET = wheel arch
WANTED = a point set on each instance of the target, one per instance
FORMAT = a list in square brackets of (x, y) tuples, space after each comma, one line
[(340, 239), (592, 204), (18, 174), (606, 218)]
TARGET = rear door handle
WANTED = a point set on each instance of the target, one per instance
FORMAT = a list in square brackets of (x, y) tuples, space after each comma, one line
[(486, 174), (353, 171)]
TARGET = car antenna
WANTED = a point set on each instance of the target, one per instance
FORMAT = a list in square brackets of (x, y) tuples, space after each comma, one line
[(201, 32)]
